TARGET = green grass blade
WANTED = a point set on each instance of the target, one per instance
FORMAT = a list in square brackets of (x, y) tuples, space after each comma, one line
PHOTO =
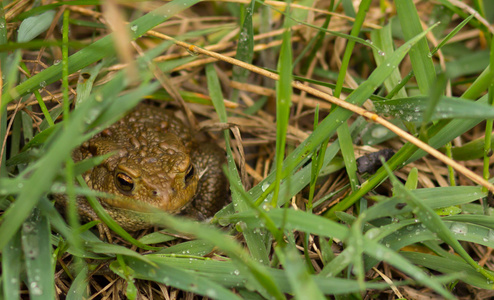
[(381, 252), (383, 39), (34, 26), (195, 248), (245, 48), (11, 268), (304, 286), (175, 277), (344, 137), (78, 288), (283, 101), (254, 239), (432, 197), (420, 53), (227, 274), (295, 220), (85, 83), (37, 252), (414, 109), (446, 265), (452, 33)]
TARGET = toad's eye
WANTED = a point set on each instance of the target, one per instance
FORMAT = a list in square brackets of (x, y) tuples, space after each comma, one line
[(190, 174), (124, 182)]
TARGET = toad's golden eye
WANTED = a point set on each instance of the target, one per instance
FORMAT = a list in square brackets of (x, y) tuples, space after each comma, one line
[(124, 183), (190, 174)]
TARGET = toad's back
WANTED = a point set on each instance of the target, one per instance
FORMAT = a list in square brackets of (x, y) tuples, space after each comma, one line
[(157, 165)]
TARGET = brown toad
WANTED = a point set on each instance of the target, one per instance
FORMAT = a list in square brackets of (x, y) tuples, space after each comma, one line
[(158, 164)]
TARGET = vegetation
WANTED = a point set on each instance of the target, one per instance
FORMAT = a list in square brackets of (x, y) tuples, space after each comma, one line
[(299, 90)]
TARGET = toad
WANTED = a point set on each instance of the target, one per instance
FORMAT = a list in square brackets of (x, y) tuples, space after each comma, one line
[(157, 164)]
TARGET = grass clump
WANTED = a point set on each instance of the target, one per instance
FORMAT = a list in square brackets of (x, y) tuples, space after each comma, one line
[(299, 90)]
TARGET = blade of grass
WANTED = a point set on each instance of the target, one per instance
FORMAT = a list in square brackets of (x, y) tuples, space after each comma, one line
[(416, 108), (78, 289), (445, 265), (48, 119), (3, 110), (175, 277), (192, 249), (283, 101), (37, 251), (33, 26), (11, 267), (253, 239), (343, 132), (419, 54), (432, 197), (245, 48), (489, 123), (85, 83), (303, 285), (383, 39), (381, 252)]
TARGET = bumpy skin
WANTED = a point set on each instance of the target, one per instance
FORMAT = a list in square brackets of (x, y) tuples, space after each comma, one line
[(157, 165)]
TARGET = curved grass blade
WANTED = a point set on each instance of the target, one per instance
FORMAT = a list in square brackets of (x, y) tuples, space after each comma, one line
[(11, 268), (411, 26), (34, 26), (78, 288), (383, 39), (195, 248), (447, 265), (245, 48), (175, 277), (283, 101), (295, 220), (414, 108), (432, 197), (381, 252), (37, 252), (303, 284), (298, 220)]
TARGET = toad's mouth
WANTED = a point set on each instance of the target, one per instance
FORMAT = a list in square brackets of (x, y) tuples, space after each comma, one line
[(170, 200)]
